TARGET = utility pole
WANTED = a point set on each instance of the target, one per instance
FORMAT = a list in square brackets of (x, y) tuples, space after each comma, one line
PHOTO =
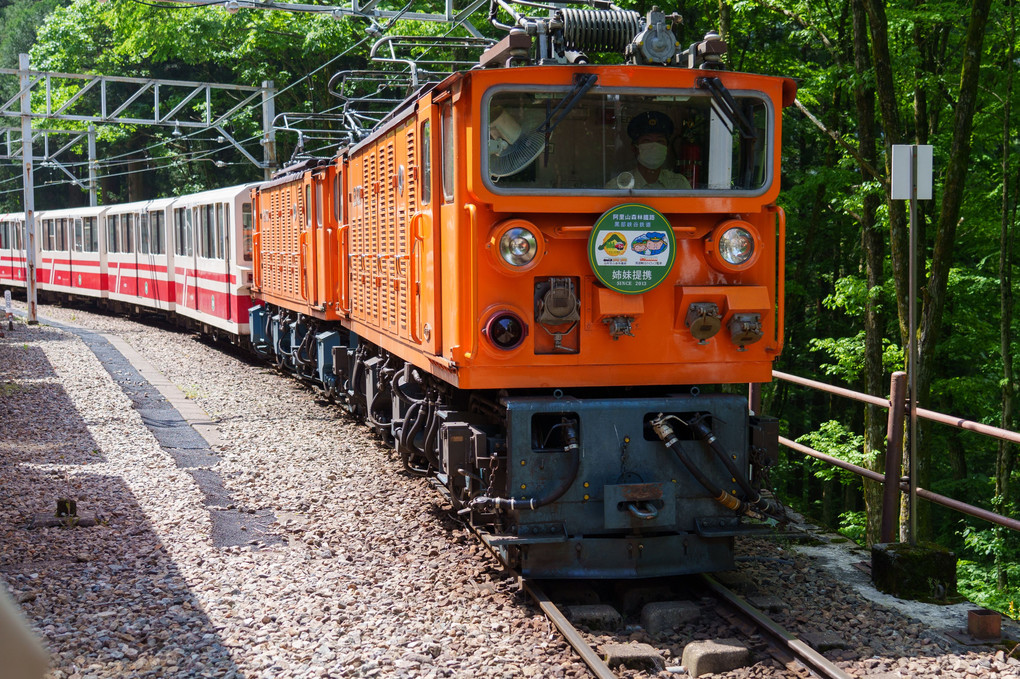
[(269, 163), (29, 184), (93, 188)]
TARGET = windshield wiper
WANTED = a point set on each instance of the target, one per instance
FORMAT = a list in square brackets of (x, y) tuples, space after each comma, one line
[(582, 83), (727, 106), (523, 151)]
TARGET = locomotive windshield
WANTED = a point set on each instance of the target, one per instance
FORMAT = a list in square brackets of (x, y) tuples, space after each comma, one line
[(663, 142)]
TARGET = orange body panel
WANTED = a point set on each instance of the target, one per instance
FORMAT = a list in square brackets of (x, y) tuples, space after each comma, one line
[(384, 194), (661, 350), (415, 264), (296, 244)]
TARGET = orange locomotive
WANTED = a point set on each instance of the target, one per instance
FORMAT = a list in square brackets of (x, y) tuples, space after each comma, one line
[(532, 278)]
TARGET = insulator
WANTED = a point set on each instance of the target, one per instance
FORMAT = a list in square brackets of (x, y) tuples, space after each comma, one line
[(599, 30)]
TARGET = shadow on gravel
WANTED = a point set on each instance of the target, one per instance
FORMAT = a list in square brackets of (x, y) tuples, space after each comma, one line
[(108, 601), (62, 438), (231, 525), (20, 360)]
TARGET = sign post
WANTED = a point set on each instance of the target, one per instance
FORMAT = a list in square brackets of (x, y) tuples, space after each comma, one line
[(912, 180)]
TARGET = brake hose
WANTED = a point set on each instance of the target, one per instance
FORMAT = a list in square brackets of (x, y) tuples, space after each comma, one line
[(755, 500), (728, 500), (484, 502)]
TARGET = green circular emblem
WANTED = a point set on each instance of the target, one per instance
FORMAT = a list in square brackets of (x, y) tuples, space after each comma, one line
[(631, 248)]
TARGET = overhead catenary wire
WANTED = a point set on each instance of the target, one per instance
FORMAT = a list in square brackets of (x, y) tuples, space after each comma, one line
[(131, 156)]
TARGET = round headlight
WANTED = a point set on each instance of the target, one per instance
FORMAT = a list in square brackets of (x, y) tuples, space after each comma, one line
[(518, 246), (733, 245), (506, 330), (736, 246), (515, 246)]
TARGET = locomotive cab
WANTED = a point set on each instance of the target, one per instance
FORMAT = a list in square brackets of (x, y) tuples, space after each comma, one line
[(661, 273)]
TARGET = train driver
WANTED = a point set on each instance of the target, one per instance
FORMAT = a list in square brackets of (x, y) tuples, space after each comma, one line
[(649, 133)]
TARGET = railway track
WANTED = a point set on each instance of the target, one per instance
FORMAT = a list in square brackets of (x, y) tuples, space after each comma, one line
[(785, 647), (794, 654)]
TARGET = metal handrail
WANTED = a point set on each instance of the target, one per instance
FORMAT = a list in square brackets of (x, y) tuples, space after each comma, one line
[(923, 413), (898, 406)]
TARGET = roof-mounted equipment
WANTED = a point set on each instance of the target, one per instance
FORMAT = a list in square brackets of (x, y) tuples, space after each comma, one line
[(567, 36)]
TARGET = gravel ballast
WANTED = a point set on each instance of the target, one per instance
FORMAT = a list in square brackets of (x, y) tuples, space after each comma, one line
[(350, 568), (361, 574)]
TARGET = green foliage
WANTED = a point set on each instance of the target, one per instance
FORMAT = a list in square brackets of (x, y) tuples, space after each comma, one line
[(848, 352), (977, 581), (852, 525), (833, 438), (20, 19), (850, 295)]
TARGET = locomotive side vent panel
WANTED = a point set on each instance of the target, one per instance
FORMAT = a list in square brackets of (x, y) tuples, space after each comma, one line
[(378, 231), (360, 294), (372, 223), (354, 237), (267, 242), (271, 244), (389, 253), (276, 228), (268, 237), (281, 264), (282, 226), (367, 219), (291, 227), (358, 239), (406, 201), (281, 220), (366, 240), (293, 231)]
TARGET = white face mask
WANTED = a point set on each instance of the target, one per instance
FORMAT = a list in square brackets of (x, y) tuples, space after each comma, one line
[(652, 155)]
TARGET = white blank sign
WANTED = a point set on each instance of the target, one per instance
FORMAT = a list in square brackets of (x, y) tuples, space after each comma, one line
[(901, 156)]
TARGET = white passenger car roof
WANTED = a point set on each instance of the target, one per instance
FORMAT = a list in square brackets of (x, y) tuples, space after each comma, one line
[(224, 195)]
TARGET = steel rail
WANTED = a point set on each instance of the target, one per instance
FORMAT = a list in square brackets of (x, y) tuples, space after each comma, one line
[(811, 658), (569, 632)]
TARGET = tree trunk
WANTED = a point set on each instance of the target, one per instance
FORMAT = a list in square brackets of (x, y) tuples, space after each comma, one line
[(945, 234), (136, 181), (874, 255), (886, 91), (1005, 458), (724, 19), (957, 455)]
